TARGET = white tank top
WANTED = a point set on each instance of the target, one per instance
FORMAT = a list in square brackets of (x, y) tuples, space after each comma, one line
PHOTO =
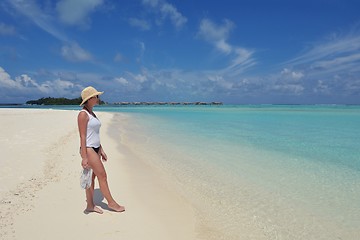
[(92, 131)]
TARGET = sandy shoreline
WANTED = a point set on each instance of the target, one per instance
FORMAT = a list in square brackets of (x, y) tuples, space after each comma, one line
[(40, 196)]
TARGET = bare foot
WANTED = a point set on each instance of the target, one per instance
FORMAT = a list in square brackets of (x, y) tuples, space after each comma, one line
[(94, 209), (116, 207)]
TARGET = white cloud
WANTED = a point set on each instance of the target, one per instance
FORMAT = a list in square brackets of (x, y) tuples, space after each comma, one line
[(60, 87), (221, 82), (140, 78), (73, 52), (328, 67), (167, 10), (139, 23), (142, 46), (289, 89), (118, 57), (330, 49), (26, 81), (177, 85), (321, 88), (223, 46), (21, 82), (121, 80), (45, 21), (6, 81), (80, 8), (242, 61), (170, 11), (291, 75), (25, 85), (328, 58), (341, 64), (353, 86), (337, 86), (7, 30), (132, 83), (142, 51), (76, 12), (286, 82), (217, 35)]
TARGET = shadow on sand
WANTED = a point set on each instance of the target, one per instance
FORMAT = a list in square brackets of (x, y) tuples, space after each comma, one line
[(98, 200)]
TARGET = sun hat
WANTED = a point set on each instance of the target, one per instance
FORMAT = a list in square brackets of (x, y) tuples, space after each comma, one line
[(88, 93)]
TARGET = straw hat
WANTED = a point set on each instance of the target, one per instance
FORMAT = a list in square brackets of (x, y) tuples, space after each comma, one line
[(88, 93)]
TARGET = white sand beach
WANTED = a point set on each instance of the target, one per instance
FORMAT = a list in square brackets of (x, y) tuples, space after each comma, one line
[(40, 195)]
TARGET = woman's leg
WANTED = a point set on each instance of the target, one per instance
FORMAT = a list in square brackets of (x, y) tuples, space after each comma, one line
[(99, 170), (90, 207)]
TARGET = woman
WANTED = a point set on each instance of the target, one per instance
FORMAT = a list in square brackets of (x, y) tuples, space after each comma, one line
[(92, 152)]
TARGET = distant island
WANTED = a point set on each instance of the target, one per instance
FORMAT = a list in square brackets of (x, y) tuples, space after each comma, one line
[(168, 103), (77, 101), (57, 101)]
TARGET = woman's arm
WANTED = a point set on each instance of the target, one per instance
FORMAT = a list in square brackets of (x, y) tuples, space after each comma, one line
[(82, 125), (102, 153)]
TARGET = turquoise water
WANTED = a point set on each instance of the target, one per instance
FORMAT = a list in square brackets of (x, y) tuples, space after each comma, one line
[(256, 172), (327, 134), (260, 172)]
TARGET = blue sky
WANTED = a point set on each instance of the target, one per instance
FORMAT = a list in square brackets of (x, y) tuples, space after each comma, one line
[(234, 51)]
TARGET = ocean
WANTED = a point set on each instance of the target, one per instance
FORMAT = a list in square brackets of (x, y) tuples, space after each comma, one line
[(258, 172), (255, 171)]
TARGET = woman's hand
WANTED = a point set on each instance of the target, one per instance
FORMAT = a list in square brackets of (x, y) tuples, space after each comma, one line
[(103, 155), (85, 163)]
